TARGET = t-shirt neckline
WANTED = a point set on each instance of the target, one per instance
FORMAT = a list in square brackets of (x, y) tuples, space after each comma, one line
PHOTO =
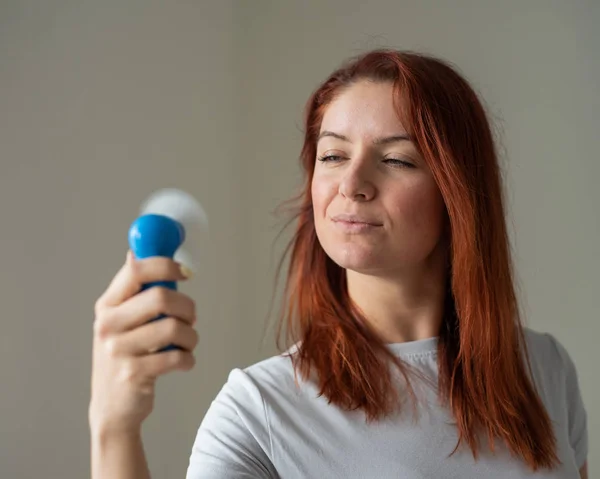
[(419, 346)]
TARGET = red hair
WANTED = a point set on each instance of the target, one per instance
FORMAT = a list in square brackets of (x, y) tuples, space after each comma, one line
[(483, 375)]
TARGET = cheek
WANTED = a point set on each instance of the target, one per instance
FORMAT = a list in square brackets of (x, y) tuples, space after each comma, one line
[(420, 209), (322, 192)]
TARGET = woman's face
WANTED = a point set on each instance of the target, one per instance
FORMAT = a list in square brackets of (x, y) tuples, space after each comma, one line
[(377, 208)]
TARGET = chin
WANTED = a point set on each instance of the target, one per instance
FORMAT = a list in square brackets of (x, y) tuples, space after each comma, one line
[(359, 259)]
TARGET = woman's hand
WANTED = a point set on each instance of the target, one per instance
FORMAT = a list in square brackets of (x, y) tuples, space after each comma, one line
[(125, 361)]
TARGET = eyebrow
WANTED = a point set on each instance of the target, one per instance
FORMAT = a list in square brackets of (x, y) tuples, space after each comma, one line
[(377, 141)]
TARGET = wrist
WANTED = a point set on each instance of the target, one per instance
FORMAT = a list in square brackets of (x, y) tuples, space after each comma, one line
[(107, 431), (117, 453)]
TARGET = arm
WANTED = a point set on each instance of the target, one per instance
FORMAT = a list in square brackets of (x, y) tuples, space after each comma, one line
[(124, 367), (118, 456), (583, 472)]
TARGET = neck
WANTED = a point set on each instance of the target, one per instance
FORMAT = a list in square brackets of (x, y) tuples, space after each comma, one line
[(404, 305)]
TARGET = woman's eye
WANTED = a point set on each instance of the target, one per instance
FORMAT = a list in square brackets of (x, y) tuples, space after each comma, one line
[(398, 163), (330, 158)]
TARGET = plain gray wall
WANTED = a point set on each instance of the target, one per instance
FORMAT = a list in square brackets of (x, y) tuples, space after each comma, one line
[(101, 103)]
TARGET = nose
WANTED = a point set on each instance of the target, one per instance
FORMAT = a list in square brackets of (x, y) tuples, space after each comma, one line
[(356, 184)]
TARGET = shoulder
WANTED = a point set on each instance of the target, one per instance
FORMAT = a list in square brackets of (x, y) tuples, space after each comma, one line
[(547, 351), (552, 367), (273, 376), (272, 370), (235, 434)]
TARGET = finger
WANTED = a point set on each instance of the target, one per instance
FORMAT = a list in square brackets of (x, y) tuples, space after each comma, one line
[(148, 305), (155, 365), (120, 287), (155, 336), (137, 272)]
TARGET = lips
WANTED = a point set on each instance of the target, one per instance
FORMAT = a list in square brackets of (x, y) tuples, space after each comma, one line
[(355, 219)]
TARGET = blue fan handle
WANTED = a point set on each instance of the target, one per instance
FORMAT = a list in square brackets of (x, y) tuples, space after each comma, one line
[(156, 235)]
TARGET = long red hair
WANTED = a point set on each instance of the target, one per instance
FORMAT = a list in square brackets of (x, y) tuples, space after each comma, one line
[(483, 373)]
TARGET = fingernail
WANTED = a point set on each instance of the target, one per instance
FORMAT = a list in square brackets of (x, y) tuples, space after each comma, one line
[(185, 271)]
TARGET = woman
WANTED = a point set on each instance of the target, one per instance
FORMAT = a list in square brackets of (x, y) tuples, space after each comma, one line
[(408, 358)]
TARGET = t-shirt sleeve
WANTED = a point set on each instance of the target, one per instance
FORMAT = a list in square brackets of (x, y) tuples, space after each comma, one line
[(233, 440), (578, 431)]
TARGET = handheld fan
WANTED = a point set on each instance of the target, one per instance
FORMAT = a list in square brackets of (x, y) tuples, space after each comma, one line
[(170, 224)]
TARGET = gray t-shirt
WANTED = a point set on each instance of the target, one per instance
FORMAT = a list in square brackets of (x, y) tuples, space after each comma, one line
[(261, 425)]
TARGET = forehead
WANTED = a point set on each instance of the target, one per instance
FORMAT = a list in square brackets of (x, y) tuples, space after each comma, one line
[(364, 109)]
